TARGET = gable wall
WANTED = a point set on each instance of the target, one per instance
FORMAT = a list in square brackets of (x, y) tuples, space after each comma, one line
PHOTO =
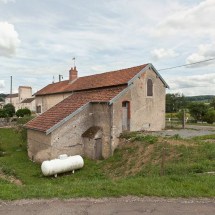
[(24, 93), (67, 139), (48, 101), (39, 145), (146, 113)]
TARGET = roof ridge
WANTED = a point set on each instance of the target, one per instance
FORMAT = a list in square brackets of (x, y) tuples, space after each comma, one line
[(115, 70)]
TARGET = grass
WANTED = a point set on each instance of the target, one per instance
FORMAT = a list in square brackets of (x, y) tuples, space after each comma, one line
[(182, 178)]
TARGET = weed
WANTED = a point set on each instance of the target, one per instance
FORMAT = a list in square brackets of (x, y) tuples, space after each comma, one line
[(148, 139), (175, 137), (129, 135)]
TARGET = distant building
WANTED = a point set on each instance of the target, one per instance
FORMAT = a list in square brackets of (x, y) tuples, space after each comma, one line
[(22, 99)]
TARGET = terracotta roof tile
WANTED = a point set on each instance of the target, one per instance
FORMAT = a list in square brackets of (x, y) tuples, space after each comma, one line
[(28, 100), (25, 87), (69, 105), (12, 95), (114, 78)]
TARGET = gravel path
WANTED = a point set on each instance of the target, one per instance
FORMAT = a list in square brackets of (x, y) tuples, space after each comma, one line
[(184, 133), (187, 133)]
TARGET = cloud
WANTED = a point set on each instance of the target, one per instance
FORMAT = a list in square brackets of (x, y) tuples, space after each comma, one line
[(158, 54), (206, 80), (2, 84), (6, 1), (9, 41), (205, 52), (189, 21), (193, 85)]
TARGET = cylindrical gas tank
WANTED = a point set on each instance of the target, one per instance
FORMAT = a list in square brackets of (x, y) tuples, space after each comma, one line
[(61, 165)]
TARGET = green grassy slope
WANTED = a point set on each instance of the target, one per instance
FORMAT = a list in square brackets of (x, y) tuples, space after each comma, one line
[(133, 170)]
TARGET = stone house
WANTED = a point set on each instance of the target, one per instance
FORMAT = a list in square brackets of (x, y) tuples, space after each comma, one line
[(86, 115), (22, 99)]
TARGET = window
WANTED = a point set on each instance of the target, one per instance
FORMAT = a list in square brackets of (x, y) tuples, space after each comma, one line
[(124, 104), (149, 88), (39, 109)]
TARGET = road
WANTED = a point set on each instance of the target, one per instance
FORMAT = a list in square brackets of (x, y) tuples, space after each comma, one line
[(123, 205)]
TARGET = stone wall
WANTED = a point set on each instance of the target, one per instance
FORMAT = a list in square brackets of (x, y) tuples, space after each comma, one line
[(39, 146), (4, 122), (146, 113), (101, 118)]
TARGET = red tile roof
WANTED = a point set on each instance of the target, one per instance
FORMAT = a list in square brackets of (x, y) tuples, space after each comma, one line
[(25, 87), (28, 100), (114, 78), (12, 95), (69, 105)]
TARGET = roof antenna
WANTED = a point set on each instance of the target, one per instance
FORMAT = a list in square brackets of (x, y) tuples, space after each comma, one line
[(74, 61), (60, 76), (53, 80)]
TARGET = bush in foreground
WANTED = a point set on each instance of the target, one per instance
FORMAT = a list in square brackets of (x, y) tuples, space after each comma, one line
[(10, 109)]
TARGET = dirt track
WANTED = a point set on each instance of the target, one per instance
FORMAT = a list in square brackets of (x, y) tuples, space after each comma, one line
[(124, 205)]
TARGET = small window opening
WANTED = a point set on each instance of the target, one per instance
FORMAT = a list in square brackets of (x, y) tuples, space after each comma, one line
[(39, 109), (149, 88)]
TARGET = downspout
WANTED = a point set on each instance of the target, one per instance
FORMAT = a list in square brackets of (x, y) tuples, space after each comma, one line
[(111, 129)]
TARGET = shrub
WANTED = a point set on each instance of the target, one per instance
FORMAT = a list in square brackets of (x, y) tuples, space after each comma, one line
[(198, 110), (3, 113), (19, 128), (10, 109), (210, 117), (23, 112)]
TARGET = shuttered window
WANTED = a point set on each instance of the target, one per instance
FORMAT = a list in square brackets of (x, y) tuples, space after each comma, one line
[(149, 88), (39, 109)]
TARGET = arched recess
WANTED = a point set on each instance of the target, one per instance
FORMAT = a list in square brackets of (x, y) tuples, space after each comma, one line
[(149, 87)]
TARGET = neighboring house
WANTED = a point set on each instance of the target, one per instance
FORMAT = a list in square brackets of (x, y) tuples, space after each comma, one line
[(28, 103), (22, 99), (86, 115), (13, 99)]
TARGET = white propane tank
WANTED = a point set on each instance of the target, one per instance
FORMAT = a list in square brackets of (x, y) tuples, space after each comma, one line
[(61, 165)]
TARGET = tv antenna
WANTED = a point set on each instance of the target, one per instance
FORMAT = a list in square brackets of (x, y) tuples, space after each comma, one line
[(74, 61)]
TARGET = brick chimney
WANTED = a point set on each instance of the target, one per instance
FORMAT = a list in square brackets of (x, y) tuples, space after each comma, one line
[(73, 74)]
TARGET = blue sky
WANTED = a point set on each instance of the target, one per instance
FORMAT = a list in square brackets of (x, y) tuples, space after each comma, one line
[(38, 40)]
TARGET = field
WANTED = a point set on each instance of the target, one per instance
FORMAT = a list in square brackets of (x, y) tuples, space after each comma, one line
[(133, 170)]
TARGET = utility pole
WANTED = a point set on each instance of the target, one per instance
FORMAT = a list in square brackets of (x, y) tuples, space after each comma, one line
[(10, 89), (163, 159), (183, 121)]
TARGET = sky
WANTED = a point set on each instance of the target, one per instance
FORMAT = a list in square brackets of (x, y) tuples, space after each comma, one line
[(39, 39)]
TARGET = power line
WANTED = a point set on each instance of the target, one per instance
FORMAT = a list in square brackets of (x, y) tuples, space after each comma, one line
[(187, 64)]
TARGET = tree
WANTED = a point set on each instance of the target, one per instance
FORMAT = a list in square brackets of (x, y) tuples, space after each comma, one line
[(198, 110), (175, 102), (3, 113), (212, 103), (10, 109), (23, 112), (210, 117)]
